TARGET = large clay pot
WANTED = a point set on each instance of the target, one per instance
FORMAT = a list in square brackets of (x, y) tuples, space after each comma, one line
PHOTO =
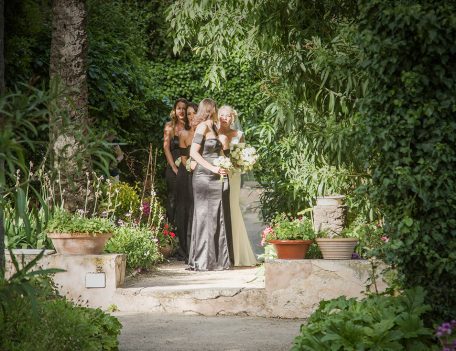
[(291, 249), (337, 248), (78, 243)]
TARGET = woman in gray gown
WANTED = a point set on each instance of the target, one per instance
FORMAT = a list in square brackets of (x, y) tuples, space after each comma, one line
[(211, 242)]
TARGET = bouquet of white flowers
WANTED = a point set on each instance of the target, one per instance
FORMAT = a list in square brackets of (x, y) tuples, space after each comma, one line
[(223, 162), (243, 157)]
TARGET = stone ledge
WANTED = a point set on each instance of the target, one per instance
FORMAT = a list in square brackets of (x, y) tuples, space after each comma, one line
[(294, 288), (75, 282)]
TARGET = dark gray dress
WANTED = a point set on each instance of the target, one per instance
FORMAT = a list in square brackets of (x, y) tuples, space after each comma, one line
[(171, 182), (211, 242), (183, 206)]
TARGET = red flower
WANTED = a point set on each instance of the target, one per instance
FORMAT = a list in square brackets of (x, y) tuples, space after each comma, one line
[(172, 234), (166, 226), (165, 232)]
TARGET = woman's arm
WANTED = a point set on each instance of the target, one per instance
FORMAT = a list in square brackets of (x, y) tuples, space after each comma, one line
[(167, 138), (196, 147)]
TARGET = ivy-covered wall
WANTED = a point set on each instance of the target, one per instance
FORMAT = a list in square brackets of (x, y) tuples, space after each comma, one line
[(409, 135)]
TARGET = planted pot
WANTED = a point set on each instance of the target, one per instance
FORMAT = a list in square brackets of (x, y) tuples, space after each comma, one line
[(291, 249), (337, 248), (79, 243), (166, 251)]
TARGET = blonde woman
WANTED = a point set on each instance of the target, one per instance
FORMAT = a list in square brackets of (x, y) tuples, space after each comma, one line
[(171, 132), (210, 247), (243, 254)]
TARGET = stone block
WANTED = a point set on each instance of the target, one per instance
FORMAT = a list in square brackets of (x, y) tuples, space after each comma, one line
[(73, 282), (294, 288)]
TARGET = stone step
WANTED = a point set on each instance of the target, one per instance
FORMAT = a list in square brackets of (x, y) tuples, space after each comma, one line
[(173, 289)]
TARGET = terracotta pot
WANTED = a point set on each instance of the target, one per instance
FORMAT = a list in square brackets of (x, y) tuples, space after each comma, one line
[(166, 251), (337, 248), (291, 249), (79, 243)]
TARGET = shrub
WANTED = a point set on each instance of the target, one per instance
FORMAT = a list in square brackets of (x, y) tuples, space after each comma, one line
[(409, 135), (34, 317), (138, 243), (121, 200), (374, 323)]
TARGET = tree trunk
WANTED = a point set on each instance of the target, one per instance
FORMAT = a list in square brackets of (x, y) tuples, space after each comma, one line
[(68, 66), (2, 164)]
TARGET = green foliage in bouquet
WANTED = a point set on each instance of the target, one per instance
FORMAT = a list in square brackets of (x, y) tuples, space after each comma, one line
[(374, 323), (65, 222), (138, 243)]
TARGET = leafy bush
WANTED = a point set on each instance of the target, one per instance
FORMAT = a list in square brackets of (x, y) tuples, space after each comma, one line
[(34, 317), (409, 136), (374, 323), (120, 199), (138, 243), (65, 222)]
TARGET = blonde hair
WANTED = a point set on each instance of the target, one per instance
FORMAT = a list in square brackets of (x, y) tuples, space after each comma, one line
[(207, 109), (233, 113)]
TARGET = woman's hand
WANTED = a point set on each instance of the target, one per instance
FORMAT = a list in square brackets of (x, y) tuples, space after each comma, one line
[(219, 170), (175, 169)]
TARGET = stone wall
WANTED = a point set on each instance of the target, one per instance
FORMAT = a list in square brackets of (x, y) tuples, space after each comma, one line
[(89, 279), (330, 217), (294, 288)]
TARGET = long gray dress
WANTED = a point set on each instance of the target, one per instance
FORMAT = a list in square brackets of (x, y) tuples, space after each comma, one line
[(171, 182), (211, 241)]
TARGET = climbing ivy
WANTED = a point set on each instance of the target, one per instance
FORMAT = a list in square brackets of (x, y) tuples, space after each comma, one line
[(409, 138)]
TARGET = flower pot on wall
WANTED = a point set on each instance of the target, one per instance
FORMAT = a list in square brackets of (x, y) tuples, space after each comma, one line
[(337, 248), (291, 249), (79, 243)]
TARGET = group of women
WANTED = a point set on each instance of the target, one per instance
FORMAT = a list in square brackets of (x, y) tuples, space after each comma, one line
[(203, 199)]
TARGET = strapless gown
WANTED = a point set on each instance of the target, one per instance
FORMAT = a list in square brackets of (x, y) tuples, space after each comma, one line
[(211, 241)]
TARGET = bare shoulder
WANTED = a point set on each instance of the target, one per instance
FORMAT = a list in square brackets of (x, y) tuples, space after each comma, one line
[(202, 128), (168, 127)]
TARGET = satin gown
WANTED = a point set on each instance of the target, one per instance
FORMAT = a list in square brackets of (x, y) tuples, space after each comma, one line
[(184, 205), (170, 177), (211, 241), (243, 254)]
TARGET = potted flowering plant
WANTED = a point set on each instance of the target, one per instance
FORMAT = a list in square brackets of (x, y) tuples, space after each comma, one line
[(76, 234), (291, 237), (166, 240)]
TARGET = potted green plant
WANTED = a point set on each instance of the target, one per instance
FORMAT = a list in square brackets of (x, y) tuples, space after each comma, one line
[(291, 237), (335, 246), (76, 234)]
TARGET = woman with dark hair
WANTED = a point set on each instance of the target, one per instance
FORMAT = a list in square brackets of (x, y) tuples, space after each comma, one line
[(172, 129), (184, 197), (211, 246)]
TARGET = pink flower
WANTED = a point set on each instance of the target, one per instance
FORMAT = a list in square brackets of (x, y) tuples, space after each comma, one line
[(385, 239), (172, 234)]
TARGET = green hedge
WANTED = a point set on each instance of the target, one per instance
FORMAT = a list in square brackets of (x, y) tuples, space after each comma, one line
[(409, 133)]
